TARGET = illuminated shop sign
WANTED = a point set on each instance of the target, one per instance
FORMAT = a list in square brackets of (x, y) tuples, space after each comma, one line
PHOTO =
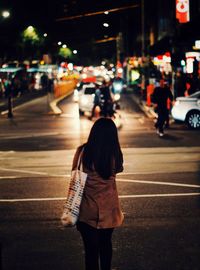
[(190, 57), (183, 11), (197, 44)]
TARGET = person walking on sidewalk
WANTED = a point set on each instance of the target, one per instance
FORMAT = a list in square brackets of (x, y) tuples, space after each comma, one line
[(100, 211), (160, 97)]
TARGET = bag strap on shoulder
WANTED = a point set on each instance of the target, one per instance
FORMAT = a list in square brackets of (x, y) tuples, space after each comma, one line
[(79, 163)]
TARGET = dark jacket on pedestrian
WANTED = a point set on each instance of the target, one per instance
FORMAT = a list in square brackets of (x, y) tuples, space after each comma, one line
[(161, 95)]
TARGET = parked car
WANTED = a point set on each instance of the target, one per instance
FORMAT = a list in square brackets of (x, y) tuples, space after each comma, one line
[(86, 98), (187, 109)]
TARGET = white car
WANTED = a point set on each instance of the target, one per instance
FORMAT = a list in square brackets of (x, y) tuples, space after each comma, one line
[(86, 98), (187, 109)]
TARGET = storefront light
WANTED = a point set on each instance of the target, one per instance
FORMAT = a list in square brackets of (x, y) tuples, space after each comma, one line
[(70, 66), (119, 70), (183, 63), (189, 66), (197, 44)]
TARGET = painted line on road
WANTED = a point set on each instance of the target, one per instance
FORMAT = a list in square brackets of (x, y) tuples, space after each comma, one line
[(120, 196), (24, 171), (160, 195), (118, 180), (8, 177), (158, 183)]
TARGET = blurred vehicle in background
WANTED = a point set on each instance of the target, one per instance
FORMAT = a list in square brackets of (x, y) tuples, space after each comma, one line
[(79, 86), (187, 109), (118, 85), (86, 97)]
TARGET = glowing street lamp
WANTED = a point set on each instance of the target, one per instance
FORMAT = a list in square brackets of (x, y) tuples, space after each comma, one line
[(30, 28), (59, 43), (105, 24), (5, 14), (45, 35), (75, 51), (106, 12), (64, 46)]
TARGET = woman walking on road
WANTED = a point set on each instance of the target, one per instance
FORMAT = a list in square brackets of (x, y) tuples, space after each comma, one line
[(100, 210)]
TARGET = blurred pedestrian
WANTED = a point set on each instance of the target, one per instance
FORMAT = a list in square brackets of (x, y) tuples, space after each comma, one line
[(44, 80), (179, 84), (100, 210), (107, 107), (160, 97), (2, 89), (97, 101)]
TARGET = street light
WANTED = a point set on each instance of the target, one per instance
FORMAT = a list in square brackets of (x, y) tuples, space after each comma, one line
[(59, 43), (75, 51), (5, 14), (30, 28), (105, 24), (45, 35)]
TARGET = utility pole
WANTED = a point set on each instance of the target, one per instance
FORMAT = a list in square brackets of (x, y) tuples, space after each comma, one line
[(10, 99), (10, 111), (142, 27), (142, 47)]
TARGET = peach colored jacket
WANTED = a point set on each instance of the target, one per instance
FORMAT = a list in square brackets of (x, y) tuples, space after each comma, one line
[(100, 207)]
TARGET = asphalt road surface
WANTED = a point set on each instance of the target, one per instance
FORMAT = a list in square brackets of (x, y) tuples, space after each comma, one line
[(159, 191)]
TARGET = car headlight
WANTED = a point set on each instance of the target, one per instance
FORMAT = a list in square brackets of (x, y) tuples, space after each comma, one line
[(76, 95), (117, 86), (75, 92), (117, 97)]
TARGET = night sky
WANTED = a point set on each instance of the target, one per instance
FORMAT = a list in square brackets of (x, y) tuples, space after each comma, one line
[(77, 33), (43, 14)]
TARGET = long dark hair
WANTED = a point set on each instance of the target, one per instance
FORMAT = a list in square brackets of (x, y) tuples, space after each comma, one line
[(102, 151)]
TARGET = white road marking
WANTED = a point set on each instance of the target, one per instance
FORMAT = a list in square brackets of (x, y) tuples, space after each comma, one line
[(158, 183), (118, 180), (8, 177), (24, 171), (160, 195), (121, 197)]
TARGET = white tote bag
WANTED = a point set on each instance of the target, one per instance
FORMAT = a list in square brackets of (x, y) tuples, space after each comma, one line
[(76, 187)]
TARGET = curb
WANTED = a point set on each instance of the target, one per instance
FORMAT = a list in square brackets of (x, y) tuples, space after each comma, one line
[(54, 103), (149, 111)]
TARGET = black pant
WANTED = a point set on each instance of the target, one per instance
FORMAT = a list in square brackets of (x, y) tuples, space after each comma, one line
[(163, 115), (98, 245)]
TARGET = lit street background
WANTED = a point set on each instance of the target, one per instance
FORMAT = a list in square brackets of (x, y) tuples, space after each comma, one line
[(48, 49), (159, 190)]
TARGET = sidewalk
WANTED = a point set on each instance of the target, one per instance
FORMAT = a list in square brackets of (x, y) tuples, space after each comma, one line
[(17, 101), (148, 110)]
